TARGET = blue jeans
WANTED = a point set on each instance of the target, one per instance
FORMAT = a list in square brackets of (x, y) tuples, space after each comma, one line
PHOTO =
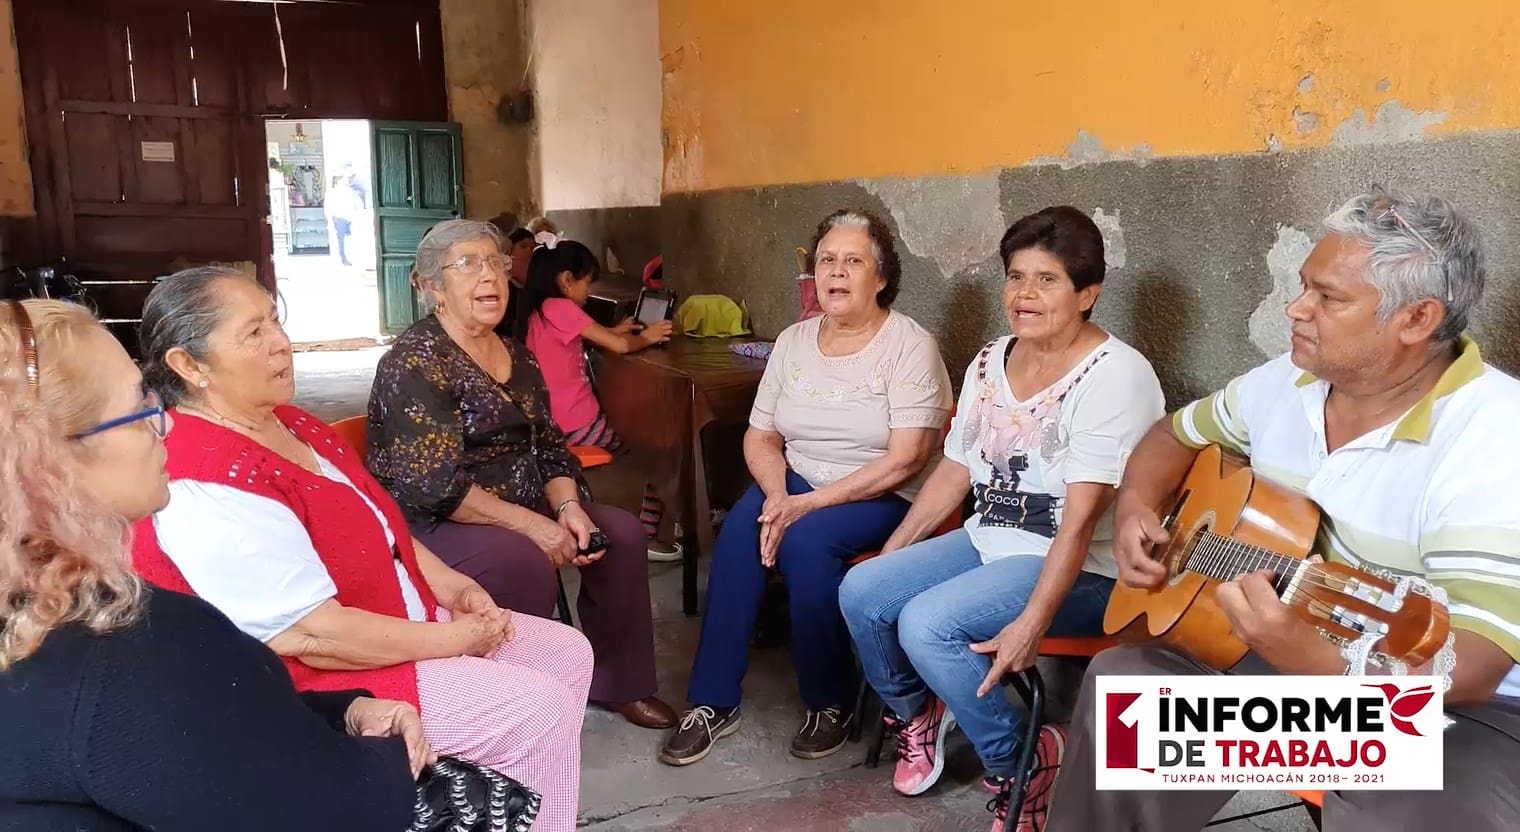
[(813, 558), (914, 614)]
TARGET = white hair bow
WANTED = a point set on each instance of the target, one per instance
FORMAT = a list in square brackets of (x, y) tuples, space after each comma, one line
[(547, 239)]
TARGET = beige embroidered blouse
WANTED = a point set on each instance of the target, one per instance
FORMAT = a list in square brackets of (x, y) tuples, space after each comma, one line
[(837, 413)]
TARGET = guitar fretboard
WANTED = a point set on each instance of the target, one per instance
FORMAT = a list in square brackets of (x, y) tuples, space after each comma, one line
[(1225, 559)]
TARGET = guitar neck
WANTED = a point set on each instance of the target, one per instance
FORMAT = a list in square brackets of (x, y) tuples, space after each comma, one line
[(1225, 559)]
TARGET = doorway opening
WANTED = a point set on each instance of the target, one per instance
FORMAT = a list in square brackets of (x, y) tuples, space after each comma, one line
[(322, 217)]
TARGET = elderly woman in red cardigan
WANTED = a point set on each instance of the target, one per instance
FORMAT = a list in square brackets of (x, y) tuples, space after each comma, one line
[(274, 520)]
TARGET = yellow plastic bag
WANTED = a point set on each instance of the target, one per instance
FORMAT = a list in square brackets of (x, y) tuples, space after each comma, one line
[(712, 316)]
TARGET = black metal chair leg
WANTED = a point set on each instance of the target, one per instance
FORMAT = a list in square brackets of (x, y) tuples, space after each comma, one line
[(858, 715), (565, 616), (689, 554), (1031, 688), (877, 712)]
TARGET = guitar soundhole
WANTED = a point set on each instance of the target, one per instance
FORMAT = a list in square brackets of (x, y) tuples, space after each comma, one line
[(1181, 549)]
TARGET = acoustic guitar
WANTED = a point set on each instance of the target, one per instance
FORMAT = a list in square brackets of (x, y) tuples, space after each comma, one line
[(1227, 522)]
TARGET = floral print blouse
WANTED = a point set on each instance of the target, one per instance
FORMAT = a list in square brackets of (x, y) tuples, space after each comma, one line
[(439, 423)]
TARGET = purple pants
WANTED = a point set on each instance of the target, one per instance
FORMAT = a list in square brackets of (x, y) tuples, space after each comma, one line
[(613, 609)]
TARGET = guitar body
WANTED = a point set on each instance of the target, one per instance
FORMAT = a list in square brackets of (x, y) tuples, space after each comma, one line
[(1223, 496)]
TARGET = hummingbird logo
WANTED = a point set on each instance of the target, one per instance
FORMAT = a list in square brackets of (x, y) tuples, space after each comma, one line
[(1405, 705)]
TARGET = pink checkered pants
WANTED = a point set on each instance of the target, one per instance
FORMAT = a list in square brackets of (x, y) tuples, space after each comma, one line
[(519, 712)]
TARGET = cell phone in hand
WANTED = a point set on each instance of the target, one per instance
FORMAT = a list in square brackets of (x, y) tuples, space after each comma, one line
[(596, 543)]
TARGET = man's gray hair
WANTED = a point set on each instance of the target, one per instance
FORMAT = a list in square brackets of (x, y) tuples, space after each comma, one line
[(1422, 247), (432, 252)]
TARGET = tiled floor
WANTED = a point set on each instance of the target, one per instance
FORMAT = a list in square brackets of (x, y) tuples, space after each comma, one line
[(749, 783)]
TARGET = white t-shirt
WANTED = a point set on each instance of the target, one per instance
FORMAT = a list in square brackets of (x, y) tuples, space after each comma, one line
[(836, 413), (250, 557), (1080, 429)]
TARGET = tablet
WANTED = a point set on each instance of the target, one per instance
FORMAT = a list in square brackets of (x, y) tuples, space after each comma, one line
[(654, 305)]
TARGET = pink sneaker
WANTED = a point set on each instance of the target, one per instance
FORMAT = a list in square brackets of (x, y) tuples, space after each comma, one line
[(921, 748), (1048, 751)]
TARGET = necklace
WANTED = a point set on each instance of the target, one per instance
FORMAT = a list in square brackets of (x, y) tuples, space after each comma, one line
[(208, 410)]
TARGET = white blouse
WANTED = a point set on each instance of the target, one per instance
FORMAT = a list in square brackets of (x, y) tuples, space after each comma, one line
[(837, 413), (250, 557), (1082, 428)]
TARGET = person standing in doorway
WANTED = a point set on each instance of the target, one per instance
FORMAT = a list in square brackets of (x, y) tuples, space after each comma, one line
[(344, 204)]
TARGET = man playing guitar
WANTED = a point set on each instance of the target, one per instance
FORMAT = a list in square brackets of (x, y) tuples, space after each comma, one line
[(1386, 416)]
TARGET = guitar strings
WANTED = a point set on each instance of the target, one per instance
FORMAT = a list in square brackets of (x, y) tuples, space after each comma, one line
[(1207, 553), (1219, 551)]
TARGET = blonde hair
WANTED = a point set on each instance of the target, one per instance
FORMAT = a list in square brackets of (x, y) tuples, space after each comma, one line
[(63, 557)]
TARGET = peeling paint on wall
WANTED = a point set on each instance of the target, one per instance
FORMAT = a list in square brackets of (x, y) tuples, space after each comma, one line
[(683, 167), (1305, 123), (1268, 326), (957, 222), (1088, 149), (1393, 122), (485, 58), (1228, 76), (1114, 254)]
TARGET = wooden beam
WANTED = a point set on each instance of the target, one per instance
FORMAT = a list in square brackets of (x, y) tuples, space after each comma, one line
[(116, 108), (148, 209)]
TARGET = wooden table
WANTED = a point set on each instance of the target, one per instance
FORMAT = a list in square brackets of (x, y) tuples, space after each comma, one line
[(661, 401)]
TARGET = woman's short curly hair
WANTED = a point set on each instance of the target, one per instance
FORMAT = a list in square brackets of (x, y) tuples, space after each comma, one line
[(883, 247), (63, 557)]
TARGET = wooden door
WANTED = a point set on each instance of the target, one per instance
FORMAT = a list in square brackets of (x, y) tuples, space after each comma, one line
[(142, 159), (418, 181), (145, 121)]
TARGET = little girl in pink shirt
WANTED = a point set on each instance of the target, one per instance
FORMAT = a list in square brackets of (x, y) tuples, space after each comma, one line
[(559, 283)]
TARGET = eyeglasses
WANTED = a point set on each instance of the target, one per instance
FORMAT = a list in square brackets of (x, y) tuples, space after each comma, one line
[(155, 411), (470, 264)]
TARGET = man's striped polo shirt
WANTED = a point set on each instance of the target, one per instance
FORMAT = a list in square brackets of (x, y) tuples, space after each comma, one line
[(1434, 493)]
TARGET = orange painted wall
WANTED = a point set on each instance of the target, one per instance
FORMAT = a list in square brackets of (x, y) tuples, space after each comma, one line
[(759, 93)]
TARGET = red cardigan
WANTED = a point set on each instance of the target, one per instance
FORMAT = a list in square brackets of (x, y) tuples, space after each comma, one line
[(343, 530)]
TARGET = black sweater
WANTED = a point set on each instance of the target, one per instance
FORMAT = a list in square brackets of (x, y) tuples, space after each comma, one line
[(183, 722)]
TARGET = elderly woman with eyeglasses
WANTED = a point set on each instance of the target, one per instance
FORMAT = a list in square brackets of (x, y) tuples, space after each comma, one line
[(274, 520), (132, 708), (461, 434)]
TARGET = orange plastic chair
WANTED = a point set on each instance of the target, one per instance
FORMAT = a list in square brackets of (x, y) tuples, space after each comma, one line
[(591, 456), (951, 523), (1314, 803), (353, 430), (1312, 798)]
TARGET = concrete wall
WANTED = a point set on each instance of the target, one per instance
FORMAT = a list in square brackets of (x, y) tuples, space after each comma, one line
[(1207, 139), (1203, 252), (15, 170), (485, 57), (633, 234), (596, 68)]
